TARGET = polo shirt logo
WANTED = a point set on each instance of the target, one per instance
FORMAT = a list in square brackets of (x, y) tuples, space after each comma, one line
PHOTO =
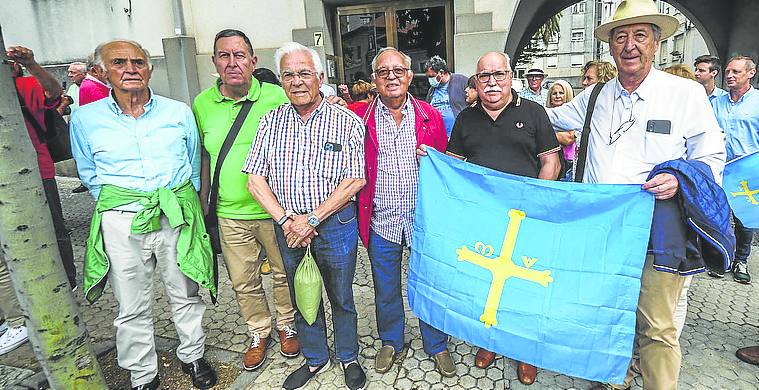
[(520, 125)]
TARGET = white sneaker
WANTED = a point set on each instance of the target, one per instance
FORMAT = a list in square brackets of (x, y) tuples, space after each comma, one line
[(12, 339)]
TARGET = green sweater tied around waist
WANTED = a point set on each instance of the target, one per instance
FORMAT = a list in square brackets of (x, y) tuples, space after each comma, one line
[(182, 209)]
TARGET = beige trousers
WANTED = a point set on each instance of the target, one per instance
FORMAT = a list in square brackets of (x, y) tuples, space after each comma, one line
[(241, 242), (9, 307), (658, 344), (681, 310), (133, 259)]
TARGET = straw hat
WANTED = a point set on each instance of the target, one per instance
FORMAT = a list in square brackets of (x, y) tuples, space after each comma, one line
[(535, 72), (638, 11)]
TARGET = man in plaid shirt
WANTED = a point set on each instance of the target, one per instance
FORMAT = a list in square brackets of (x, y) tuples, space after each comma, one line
[(306, 165), (397, 124)]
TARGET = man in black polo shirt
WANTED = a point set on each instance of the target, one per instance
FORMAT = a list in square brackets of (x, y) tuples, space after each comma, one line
[(509, 134), (503, 131)]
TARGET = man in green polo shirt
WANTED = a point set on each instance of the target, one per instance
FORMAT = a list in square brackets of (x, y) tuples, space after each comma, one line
[(244, 225)]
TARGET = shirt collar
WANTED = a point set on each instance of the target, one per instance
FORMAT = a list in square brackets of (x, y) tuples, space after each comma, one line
[(405, 109), (645, 90), (746, 95), (94, 79), (316, 112), (253, 93), (117, 110), (516, 101)]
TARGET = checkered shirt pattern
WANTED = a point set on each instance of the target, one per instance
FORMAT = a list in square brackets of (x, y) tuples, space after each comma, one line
[(304, 162), (397, 175)]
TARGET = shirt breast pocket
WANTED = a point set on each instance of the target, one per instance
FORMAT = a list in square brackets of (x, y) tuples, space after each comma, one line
[(329, 160), (660, 147)]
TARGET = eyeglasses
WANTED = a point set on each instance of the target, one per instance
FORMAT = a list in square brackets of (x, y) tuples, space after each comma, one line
[(623, 127), (305, 75), (500, 75), (384, 73)]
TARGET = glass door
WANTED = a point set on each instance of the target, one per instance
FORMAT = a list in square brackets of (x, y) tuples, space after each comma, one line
[(420, 29), (421, 34), (361, 35)]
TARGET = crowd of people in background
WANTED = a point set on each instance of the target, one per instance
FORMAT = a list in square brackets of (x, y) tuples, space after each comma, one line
[(237, 154)]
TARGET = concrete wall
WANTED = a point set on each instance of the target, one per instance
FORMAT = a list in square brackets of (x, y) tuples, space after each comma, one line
[(269, 24), (479, 26), (62, 31)]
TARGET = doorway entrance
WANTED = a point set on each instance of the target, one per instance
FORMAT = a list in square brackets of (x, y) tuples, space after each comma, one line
[(421, 29)]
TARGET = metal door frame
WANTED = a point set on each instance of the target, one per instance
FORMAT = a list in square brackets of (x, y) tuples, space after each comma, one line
[(389, 9)]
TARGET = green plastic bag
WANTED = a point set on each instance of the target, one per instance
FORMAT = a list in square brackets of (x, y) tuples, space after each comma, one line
[(308, 287)]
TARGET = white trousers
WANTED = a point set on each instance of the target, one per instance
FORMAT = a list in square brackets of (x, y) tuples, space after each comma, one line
[(133, 259)]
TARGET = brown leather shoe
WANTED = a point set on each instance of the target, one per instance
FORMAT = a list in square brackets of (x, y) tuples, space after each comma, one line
[(256, 354), (526, 373), (749, 355), (444, 364), (288, 342), (484, 358)]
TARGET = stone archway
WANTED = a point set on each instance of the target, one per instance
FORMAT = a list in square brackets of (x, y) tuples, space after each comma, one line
[(728, 27)]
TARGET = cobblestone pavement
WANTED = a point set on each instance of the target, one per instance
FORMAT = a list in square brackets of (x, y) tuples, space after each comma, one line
[(722, 316)]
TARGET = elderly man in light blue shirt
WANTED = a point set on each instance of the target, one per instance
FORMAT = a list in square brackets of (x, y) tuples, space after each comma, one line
[(738, 115), (139, 155)]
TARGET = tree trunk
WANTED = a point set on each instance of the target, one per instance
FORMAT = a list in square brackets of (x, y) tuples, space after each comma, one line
[(56, 330)]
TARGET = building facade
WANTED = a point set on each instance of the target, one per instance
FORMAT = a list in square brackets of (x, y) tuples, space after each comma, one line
[(179, 33), (347, 33), (575, 44)]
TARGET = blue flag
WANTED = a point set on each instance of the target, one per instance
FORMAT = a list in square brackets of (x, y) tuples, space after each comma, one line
[(544, 272), (741, 184)]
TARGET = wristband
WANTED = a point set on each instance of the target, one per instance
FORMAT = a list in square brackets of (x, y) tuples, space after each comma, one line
[(288, 216)]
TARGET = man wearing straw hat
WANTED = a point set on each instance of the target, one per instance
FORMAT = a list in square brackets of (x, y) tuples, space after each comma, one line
[(642, 118), (535, 90)]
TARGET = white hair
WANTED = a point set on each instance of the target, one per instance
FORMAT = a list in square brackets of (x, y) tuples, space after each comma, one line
[(406, 58), (81, 66), (97, 56), (294, 47)]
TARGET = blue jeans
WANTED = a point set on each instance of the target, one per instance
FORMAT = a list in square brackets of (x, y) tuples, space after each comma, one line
[(334, 251), (743, 237), (385, 257)]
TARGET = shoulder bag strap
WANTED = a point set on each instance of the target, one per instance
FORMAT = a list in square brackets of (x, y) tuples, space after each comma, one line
[(233, 131), (31, 119), (582, 153)]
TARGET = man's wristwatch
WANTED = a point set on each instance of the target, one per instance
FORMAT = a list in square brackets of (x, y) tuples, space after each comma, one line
[(288, 216), (313, 220)]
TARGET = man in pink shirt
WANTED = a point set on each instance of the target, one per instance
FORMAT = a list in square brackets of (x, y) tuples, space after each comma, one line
[(93, 86)]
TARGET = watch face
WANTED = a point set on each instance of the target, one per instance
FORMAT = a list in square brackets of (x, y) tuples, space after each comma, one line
[(313, 221)]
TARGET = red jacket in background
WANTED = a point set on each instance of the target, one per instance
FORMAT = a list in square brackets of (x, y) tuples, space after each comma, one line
[(430, 131), (36, 102)]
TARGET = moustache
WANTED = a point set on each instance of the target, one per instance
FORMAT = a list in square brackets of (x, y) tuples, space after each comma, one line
[(493, 89)]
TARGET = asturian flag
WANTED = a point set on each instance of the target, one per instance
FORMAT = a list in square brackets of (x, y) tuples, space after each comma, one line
[(544, 272), (741, 184)]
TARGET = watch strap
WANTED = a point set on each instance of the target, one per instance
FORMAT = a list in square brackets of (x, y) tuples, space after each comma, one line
[(288, 215)]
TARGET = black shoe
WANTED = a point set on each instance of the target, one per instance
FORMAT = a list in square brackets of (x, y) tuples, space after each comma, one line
[(202, 374), (153, 385), (740, 273), (715, 274), (80, 189), (301, 376), (355, 378)]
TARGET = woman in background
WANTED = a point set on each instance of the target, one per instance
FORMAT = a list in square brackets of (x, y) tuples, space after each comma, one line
[(560, 93), (471, 91), (362, 93)]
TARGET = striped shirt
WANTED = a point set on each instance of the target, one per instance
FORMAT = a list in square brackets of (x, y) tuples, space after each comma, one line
[(304, 162), (397, 175)]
